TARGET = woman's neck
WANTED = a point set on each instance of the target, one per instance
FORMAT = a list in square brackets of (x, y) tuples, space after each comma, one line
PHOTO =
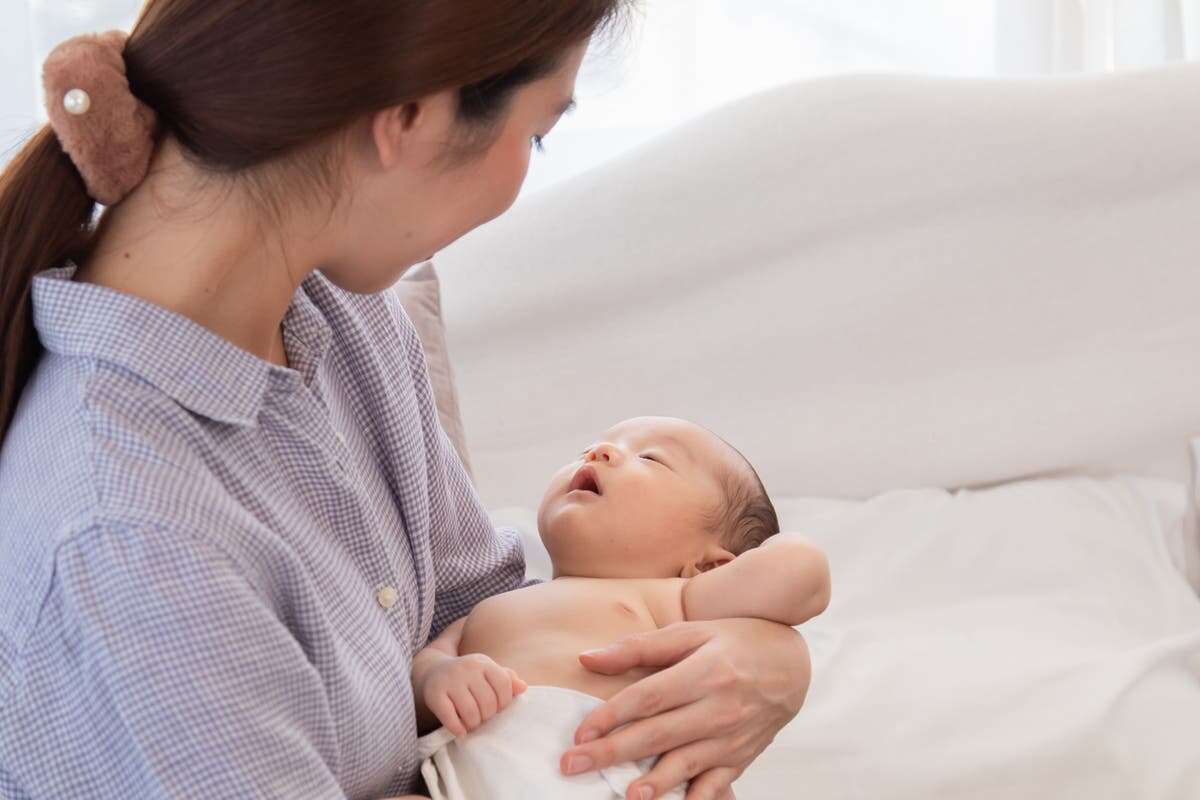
[(199, 256)]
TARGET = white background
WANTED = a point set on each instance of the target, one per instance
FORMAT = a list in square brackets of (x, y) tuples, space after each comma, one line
[(684, 57)]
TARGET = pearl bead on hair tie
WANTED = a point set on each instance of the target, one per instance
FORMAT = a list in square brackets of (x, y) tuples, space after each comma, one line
[(77, 102), (107, 131)]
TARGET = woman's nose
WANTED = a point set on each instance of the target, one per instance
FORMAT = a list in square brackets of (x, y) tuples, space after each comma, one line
[(604, 452)]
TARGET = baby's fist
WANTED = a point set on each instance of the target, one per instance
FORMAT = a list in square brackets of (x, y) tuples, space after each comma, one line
[(465, 692)]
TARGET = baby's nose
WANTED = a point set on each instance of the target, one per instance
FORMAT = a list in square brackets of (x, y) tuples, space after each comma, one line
[(603, 452)]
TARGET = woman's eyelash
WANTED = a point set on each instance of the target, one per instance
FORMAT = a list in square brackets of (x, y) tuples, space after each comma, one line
[(652, 458), (537, 142)]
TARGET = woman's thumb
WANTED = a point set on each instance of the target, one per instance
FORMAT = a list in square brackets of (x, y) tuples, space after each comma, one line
[(658, 648)]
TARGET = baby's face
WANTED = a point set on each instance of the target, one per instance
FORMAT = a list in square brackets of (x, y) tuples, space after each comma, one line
[(633, 503)]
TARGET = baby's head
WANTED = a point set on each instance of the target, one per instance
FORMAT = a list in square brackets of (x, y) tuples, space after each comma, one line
[(654, 497)]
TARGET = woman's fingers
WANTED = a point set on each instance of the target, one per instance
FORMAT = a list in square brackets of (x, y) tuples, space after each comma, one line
[(646, 737), (659, 648), (678, 767), (716, 784), (662, 691)]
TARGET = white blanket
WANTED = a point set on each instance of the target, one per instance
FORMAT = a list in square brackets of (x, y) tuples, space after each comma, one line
[(515, 754)]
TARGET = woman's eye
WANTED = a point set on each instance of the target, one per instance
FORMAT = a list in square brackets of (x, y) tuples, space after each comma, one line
[(652, 458), (537, 142)]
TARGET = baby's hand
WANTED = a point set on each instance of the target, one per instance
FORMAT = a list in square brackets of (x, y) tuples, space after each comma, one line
[(467, 691)]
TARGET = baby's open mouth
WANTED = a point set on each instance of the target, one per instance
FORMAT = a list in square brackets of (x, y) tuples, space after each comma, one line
[(585, 479)]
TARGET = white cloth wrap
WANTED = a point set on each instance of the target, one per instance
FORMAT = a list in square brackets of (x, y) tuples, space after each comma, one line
[(515, 754)]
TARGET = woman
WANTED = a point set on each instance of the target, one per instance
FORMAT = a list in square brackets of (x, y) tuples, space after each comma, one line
[(229, 514)]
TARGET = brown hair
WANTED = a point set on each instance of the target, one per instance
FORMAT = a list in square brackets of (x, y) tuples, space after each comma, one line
[(263, 94)]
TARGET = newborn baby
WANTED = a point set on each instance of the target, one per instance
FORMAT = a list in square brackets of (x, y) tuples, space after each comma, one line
[(660, 521)]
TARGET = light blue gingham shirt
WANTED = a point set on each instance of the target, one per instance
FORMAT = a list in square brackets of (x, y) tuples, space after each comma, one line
[(215, 571)]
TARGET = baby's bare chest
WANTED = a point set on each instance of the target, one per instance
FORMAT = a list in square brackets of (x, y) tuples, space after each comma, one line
[(539, 631)]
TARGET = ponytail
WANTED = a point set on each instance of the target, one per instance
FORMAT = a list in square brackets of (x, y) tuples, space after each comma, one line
[(45, 218)]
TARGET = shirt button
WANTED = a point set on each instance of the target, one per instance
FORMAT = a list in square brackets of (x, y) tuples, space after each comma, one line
[(387, 596), (340, 438)]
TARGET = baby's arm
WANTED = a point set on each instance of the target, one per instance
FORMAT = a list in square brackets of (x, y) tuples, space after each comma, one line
[(460, 692), (785, 579)]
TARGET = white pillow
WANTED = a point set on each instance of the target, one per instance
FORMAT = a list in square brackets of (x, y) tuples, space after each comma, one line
[(1034, 640)]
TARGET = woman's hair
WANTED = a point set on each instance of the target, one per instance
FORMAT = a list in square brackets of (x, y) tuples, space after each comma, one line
[(261, 96)]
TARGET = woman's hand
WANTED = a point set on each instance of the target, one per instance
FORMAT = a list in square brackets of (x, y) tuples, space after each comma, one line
[(728, 687)]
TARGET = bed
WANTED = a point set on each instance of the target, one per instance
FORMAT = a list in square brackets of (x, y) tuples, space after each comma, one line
[(952, 323)]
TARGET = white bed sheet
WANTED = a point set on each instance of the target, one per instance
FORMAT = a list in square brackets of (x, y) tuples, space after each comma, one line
[(1033, 640)]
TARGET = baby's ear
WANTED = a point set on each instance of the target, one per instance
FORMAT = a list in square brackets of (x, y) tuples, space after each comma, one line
[(713, 557), (716, 559)]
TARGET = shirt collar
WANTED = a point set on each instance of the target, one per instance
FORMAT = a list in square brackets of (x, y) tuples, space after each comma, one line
[(199, 369)]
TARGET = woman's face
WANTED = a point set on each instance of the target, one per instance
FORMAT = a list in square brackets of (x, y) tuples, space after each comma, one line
[(404, 208)]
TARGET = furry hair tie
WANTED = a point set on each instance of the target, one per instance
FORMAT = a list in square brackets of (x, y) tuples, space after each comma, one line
[(108, 133)]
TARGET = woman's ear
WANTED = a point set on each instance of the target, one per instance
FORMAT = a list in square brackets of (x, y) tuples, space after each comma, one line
[(388, 129), (406, 131)]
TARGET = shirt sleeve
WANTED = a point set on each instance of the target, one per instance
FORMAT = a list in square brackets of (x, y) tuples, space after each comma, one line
[(156, 670), (472, 559)]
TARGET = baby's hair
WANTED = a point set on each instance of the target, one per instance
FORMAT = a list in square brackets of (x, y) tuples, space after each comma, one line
[(745, 517)]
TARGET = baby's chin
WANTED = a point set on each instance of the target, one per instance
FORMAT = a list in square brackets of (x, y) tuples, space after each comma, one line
[(562, 521), (570, 509), (570, 533)]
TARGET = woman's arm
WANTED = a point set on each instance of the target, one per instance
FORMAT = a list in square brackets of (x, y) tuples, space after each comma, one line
[(726, 688), (784, 580), (158, 669)]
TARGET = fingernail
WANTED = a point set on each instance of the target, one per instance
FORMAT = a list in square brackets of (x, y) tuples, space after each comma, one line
[(587, 735), (576, 764), (598, 652), (645, 792)]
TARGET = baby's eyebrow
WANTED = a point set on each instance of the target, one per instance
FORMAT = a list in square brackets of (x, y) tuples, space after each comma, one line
[(679, 445)]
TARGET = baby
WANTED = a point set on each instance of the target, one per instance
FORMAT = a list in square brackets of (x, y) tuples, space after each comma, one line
[(661, 521)]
